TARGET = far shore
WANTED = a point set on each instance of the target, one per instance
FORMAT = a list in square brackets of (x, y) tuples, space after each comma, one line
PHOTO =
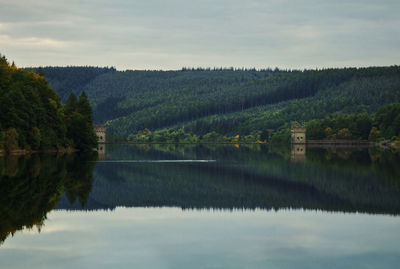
[(311, 143), (314, 143)]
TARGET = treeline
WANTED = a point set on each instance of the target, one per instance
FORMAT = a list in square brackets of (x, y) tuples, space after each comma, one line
[(232, 101), (71, 79), (191, 104), (182, 136), (33, 118), (383, 125), (355, 96)]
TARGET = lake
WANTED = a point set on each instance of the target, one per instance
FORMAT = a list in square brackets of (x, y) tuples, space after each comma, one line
[(201, 206)]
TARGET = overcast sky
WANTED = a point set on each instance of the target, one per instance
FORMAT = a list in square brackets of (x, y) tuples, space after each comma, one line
[(170, 34)]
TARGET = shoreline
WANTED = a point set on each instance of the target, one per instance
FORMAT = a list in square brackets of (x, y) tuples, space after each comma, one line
[(183, 143), (310, 143), (340, 142), (47, 151)]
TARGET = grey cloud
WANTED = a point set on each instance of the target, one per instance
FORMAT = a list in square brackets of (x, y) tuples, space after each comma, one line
[(171, 34)]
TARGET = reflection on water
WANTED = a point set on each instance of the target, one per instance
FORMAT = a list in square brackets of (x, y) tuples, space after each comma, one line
[(172, 238), (156, 161), (298, 152), (31, 186), (291, 199), (226, 177)]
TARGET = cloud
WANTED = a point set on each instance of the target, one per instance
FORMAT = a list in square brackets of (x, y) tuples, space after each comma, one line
[(176, 33), (32, 42)]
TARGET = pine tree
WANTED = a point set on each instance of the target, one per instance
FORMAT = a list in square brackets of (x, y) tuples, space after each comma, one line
[(40, 71), (84, 108), (71, 105), (80, 123)]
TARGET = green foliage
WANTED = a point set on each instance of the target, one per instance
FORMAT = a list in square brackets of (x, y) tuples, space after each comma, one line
[(281, 136), (79, 118), (67, 80), (388, 120), (35, 136), (214, 137), (374, 134), (385, 124), (230, 101), (227, 101), (34, 110), (71, 105), (180, 136), (11, 140), (27, 102), (83, 107), (346, 127), (344, 134)]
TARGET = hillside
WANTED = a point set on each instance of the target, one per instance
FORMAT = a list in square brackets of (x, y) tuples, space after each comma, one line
[(32, 116), (226, 101)]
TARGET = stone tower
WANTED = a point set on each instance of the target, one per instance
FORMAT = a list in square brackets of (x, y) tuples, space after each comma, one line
[(298, 135), (100, 131)]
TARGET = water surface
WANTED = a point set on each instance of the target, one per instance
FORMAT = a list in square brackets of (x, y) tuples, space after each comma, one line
[(166, 206)]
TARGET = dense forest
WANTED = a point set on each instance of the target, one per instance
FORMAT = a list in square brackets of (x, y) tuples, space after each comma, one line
[(32, 116), (375, 127), (226, 104)]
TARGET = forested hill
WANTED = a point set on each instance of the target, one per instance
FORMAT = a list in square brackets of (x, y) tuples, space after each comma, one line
[(228, 101), (32, 116), (67, 80)]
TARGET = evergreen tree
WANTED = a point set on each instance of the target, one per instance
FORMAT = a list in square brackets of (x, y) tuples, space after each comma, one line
[(71, 105), (84, 108), (79, 117), (40, 72)]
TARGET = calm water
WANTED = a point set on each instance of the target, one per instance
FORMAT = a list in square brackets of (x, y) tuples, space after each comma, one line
[(201, 207)]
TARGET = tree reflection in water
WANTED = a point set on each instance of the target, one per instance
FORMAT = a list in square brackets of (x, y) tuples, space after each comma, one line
[(247, 177), (242, 177), (31, 186)]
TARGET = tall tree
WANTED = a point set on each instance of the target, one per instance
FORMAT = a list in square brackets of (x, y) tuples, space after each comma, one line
[(32, 112), (84, 107), (71, 105), (80, 122)]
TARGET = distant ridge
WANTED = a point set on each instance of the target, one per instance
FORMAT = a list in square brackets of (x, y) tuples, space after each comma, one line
[(229, 101)]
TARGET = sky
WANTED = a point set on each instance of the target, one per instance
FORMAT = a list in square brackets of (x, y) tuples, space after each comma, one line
[(160, 34)]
